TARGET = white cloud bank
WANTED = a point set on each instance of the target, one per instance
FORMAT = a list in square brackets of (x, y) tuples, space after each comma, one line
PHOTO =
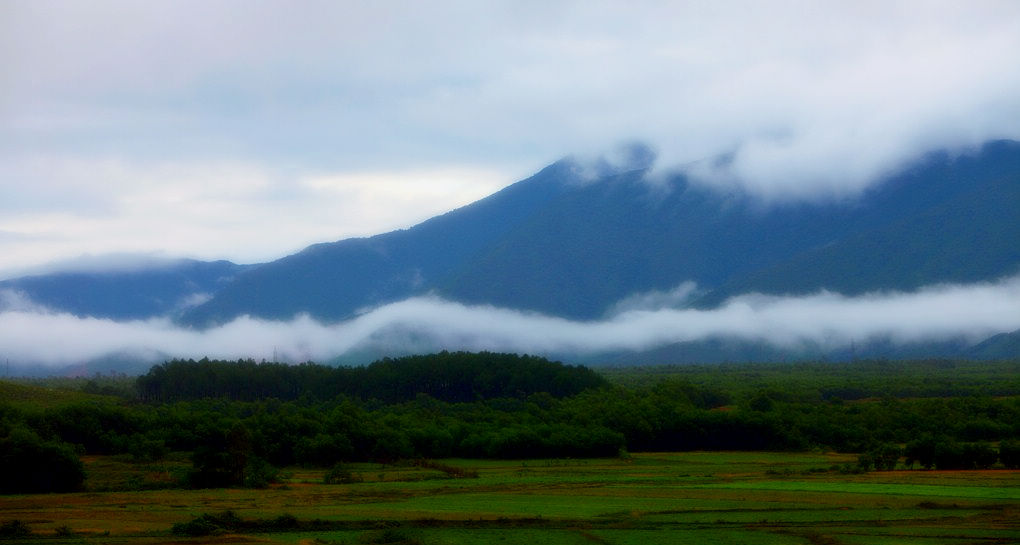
[(29, 334)]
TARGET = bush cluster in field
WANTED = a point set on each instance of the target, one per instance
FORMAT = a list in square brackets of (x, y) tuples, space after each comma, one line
[(236, 441), (14, 529), (208, 524)]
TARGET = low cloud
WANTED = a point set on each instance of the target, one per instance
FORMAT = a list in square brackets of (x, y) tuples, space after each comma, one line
[(677, 297), (17, 301), (102, 263), (32, 335)]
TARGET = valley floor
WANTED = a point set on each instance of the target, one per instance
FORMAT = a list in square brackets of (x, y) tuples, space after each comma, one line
[(665, 498)]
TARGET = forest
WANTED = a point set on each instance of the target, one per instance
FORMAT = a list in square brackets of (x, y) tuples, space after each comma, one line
[(240, 422)]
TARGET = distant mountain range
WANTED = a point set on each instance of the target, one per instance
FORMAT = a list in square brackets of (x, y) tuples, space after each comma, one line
[(575, 240)]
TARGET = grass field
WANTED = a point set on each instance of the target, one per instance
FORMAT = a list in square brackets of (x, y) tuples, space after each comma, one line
[(37, 397), (696, 498)]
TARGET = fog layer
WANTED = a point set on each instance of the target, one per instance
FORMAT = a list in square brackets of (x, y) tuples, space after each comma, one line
[(32, 335)]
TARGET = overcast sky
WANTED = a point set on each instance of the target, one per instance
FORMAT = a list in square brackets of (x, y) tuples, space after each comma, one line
[(247, 130)]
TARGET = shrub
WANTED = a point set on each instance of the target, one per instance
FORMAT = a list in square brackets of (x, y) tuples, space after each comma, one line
[(258, 473), (340, 474), (200, 526), (227, 521), (285, 521), (393, 536), (147, 450), (14, 529), (207, 524), (452, 471)]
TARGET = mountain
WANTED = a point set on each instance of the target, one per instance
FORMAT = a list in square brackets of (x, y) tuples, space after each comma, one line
[(1001, 346), (945, 220), (588, 240), (573, 241), (159, 289)]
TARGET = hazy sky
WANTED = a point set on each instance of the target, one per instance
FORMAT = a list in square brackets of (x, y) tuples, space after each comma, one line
[(246, 130)]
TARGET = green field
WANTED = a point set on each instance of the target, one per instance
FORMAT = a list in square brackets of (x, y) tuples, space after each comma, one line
[(771, 453), (38, 397), (694, 497)]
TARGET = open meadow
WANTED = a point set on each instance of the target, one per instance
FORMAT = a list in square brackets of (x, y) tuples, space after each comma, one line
[(695, 497)]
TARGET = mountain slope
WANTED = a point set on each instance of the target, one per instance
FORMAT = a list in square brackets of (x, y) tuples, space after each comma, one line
[(332, 281), (1001, 346), (571, 246), (964, 228), (945, 220)]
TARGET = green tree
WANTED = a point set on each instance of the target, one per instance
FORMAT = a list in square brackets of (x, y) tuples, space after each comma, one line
[(887, 455), (29, 464), (1009, 453), (921, 450)]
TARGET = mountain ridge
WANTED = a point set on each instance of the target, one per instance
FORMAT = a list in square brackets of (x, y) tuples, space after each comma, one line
[(374, 270)]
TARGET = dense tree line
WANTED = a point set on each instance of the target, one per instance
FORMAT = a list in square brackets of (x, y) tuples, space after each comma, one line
[(848, 381), (447, 376), (398, 414)]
